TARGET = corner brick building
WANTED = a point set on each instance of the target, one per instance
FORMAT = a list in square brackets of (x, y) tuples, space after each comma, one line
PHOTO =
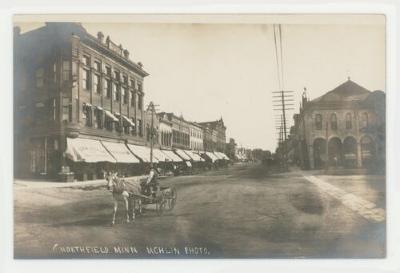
[(70, 85)]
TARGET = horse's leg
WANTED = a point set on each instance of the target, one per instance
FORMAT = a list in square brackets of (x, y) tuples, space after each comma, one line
[(115, 210), (133, 208), (127, 208), (140, 205)]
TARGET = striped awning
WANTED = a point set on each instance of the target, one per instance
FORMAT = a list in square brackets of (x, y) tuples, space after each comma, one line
[(195, 157), (172, 155), (182, 154), (142, 152), (120, 152), (87, 150)]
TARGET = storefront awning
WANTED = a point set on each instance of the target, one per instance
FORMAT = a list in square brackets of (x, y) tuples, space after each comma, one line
[(87, 150), (172, 156), (142, 152), (129, 121), (195, 157), (222, 155), (110, 115), (161, 157), (120, 152), (211, 156), (182, 154)]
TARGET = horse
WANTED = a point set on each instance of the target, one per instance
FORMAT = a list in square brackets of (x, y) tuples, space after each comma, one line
[(124, 189)]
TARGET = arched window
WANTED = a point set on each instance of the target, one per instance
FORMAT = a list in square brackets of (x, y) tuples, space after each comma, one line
[(364, 120), (349, 124), (318, 122), (333, 122)]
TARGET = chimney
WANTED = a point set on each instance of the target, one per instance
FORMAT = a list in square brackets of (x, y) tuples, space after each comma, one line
[(100, 36), (140, 64)]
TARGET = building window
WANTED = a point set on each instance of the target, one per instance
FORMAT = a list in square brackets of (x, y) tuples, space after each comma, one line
[(140, 102), (96, 84), (125, 79), (140, 87), (67, 110), (333, 122), (39, 77), (108, 70), (364, 120), (133, 98), (133, 83), (116, 75), (124, 95), (66, 70), (86, 60), (108, 88), (318, 122), (140, 128), (97, 66), (116, 94), (349, 124), (86, 79)]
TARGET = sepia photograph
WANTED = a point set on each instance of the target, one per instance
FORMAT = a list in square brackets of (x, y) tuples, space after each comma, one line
[(201, 136)]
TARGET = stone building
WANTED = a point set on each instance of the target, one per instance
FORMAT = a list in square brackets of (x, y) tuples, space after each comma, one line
[(72, 88), (214, 135), (343, 128)]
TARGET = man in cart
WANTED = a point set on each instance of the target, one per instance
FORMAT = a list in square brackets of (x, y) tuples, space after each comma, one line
[(152, 186)]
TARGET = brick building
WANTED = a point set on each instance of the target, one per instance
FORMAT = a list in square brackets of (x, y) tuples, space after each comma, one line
[(71, 86), (214, 135), (343, 128)]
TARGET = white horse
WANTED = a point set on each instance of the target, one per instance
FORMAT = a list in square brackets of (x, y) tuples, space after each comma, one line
[(124, 190)]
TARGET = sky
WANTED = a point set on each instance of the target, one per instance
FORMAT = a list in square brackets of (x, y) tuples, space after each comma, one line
[(227, 68)]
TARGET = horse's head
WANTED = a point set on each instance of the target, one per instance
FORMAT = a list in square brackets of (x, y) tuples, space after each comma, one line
[(111, 177)]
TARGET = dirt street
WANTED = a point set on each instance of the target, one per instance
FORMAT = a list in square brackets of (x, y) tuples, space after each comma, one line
[(242, 211)]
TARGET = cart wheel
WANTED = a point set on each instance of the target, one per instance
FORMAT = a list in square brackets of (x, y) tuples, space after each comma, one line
[(172, 199)]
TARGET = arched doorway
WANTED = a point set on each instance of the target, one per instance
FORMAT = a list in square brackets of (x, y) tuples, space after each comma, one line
[(367, 152), (319, 146), (350, 152), (335, 152)]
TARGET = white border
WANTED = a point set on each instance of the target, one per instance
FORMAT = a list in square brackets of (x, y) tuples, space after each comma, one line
[(390, 264)]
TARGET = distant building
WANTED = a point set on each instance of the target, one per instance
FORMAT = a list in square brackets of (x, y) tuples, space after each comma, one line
[(180, 130), (343, 128), (165, 131), (230, 148), (196, 137), (71, 86), (214, 135)]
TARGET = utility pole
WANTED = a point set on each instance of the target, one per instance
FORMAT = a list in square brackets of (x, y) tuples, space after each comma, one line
[(151, 107), (283, 102)]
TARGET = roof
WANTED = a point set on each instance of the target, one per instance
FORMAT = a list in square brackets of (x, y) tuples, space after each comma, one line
[(213, 124), (347, 91)]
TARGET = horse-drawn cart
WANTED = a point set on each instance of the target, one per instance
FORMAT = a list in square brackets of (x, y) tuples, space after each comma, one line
[(164, 199)]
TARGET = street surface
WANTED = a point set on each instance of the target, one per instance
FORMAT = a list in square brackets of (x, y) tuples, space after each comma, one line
[(240, 212)]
